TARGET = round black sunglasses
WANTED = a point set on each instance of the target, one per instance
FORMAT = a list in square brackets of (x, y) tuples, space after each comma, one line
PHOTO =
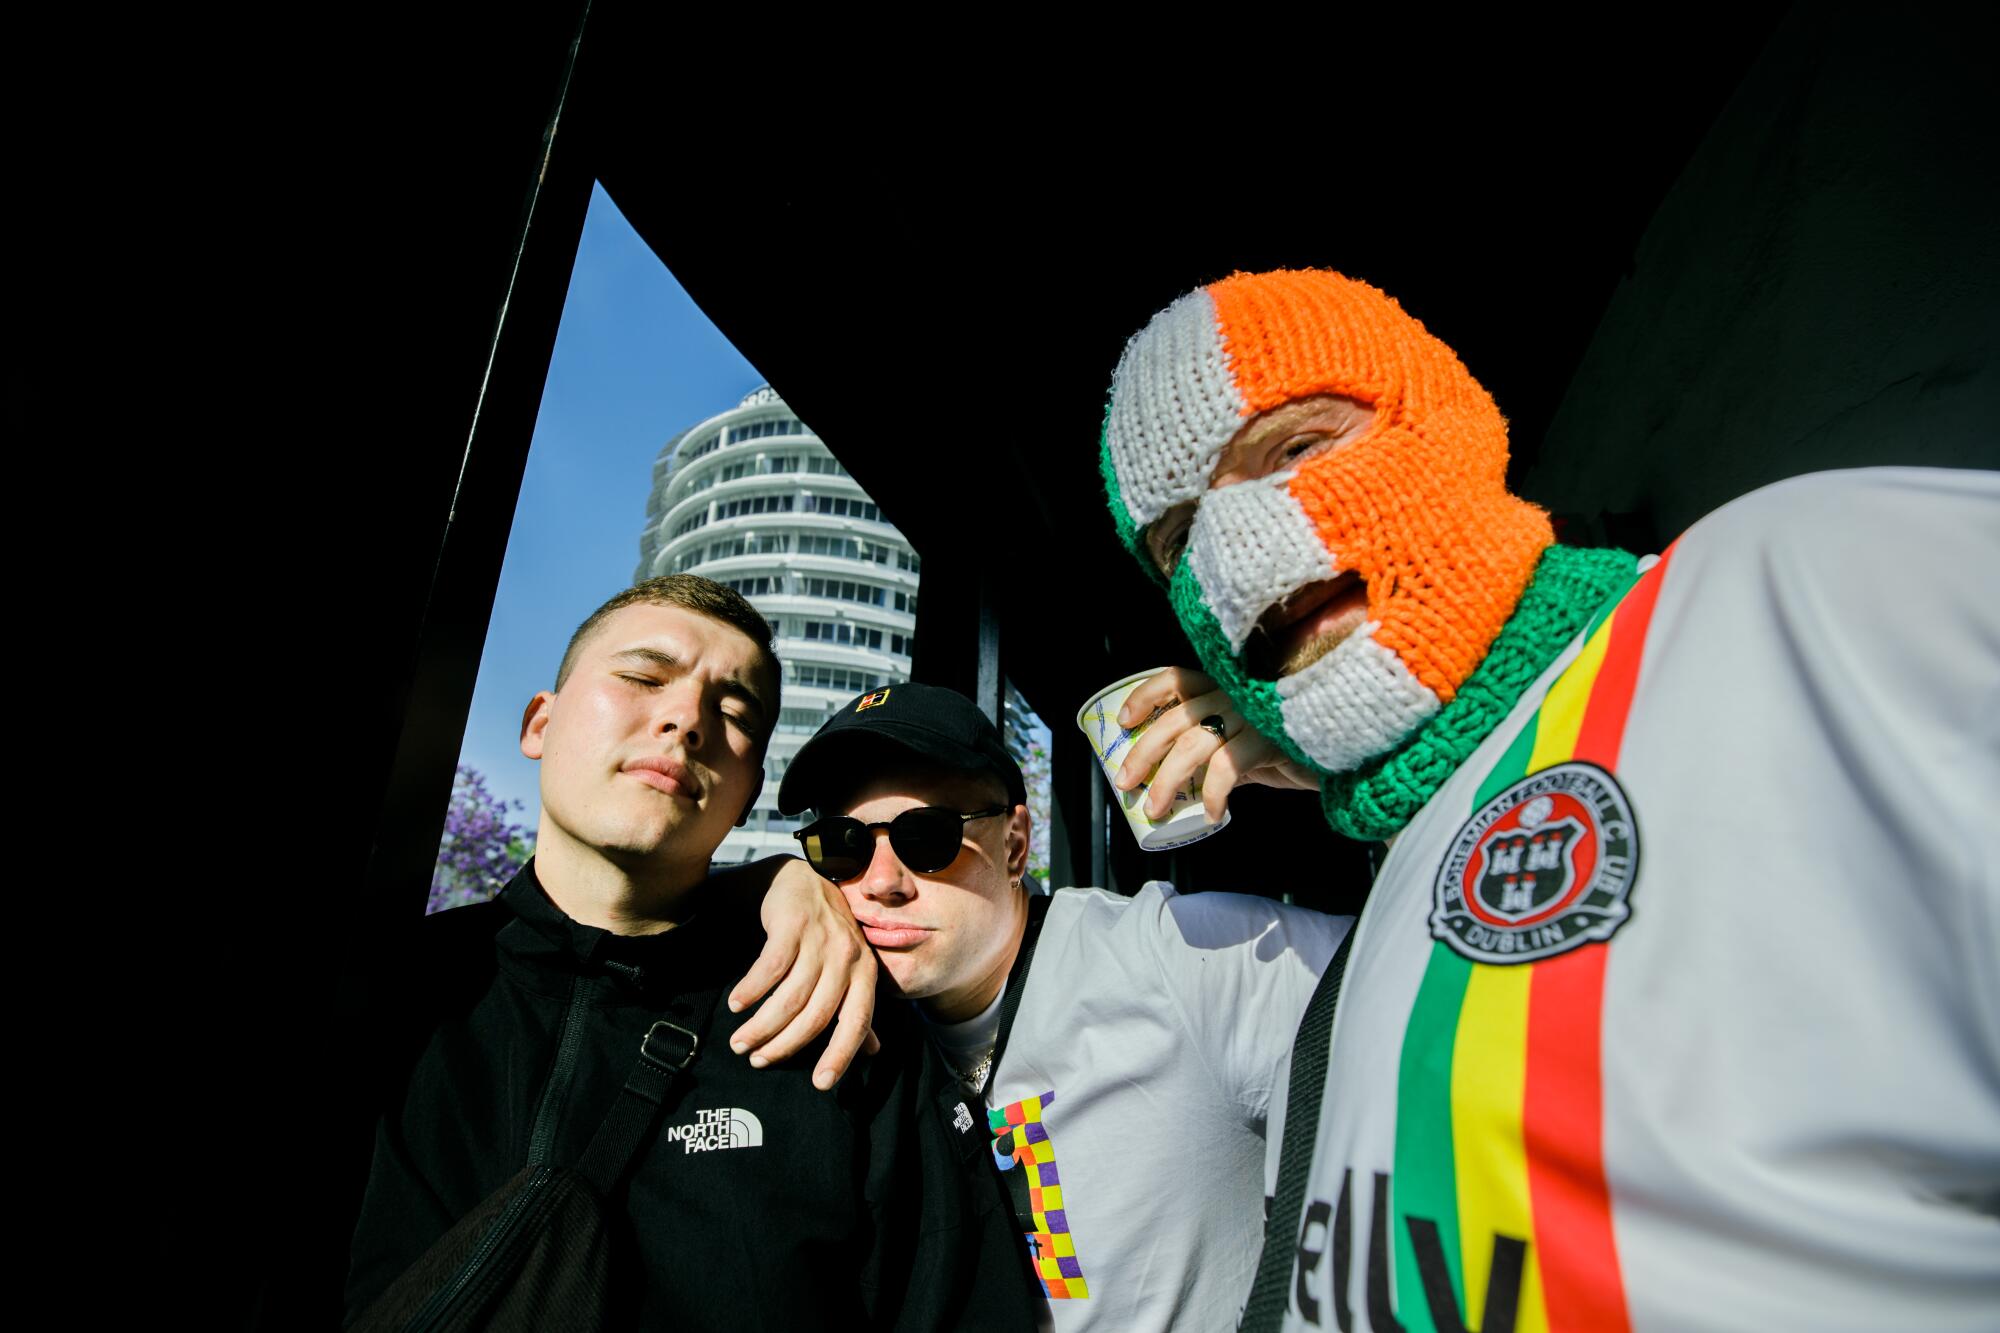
[(925, 839)]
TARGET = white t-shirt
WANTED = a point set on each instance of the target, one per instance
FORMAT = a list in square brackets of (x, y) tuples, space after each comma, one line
[(1128, 1108), (1679, 1005)]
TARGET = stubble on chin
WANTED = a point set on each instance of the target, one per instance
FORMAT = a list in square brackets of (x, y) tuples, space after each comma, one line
[(1313, 649)]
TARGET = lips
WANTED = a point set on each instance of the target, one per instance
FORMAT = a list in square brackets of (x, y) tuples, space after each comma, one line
[(1313, 620), (891, 934), (664, 773)]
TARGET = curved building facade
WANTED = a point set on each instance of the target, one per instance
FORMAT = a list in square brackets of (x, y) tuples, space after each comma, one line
[(751, 498)]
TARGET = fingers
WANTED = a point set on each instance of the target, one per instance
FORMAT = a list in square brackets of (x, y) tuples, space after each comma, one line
[(852, 1032), (1194, 747), (780, 948), (800, 980), (1162, 691), (1167, 732), (812, 1019), (1250, 756), (1226, 770)]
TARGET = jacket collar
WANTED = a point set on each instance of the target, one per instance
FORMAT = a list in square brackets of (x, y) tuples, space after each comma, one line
[(546, 949)]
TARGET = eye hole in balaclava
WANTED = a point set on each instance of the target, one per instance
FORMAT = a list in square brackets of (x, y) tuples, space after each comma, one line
[(1416, 510)]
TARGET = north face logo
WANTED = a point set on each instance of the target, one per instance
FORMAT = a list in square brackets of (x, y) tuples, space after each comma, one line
[(723, 1127)]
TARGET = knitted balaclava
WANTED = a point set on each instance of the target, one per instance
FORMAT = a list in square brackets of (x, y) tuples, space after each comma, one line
[(1417, 507)]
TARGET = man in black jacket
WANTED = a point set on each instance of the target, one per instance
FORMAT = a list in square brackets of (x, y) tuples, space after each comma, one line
[(762, 1201)]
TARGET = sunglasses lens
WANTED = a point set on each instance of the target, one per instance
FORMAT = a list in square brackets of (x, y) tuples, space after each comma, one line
[(838, 847), (926, 839)]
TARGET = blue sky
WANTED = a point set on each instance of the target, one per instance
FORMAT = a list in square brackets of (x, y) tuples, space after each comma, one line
[(635, 362)]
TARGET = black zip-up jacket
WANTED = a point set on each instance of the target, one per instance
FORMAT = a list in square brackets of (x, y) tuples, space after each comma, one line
[(760, 1203)]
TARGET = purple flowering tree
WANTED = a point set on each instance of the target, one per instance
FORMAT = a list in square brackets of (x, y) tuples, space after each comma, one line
[(480, 850)]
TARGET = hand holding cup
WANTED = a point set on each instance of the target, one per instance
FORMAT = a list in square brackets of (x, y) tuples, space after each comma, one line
[(1188, 712)]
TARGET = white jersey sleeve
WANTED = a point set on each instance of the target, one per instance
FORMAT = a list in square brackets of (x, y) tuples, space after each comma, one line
[(1241, 969)]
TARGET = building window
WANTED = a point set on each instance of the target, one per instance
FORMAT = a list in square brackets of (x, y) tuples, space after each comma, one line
[(843, 590), (691, 522), (820, 544), (758, 430), (832, 631), (706, 446), (826, 466), (757, 587), (834, 677), (842, 506), (800, 719), (908, 560), (784, 463), (901, 645), (688, 561), (754, 504), (846, 547)]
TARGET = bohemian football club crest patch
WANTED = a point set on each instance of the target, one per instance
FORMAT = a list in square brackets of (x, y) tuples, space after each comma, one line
[(1541, 868), (871, 700)]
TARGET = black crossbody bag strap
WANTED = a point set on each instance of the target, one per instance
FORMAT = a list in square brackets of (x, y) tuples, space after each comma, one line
[(1017, 977), (665, 1052), (1269, 1293)]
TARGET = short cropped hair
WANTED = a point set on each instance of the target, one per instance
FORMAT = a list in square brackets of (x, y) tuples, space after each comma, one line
[(704, 597)]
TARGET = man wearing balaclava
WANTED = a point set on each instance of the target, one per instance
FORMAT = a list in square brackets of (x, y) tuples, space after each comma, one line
[(1676, 1002)]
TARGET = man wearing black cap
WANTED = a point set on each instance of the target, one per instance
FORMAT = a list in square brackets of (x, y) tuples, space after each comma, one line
[(1126, 1049)]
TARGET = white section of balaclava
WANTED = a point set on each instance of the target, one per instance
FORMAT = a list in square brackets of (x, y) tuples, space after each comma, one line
[(1354, 703), (1174, 404), (1252, 545)]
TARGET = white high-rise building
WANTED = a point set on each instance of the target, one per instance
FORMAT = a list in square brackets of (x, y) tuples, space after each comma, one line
[(752, 499)]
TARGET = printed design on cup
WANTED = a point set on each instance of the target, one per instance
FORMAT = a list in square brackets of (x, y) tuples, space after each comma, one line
[(1110, 740), (1185, 820), (1026, 1157)]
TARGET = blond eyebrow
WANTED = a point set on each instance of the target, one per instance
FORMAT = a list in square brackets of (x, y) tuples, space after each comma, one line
[(1278, 420), (731, 686), (651, 657)]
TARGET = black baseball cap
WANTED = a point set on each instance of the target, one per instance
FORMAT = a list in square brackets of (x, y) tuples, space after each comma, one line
[(928, 721)]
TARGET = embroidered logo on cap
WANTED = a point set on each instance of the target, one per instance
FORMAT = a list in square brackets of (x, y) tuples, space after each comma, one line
[(870, 700), (1541, 868)]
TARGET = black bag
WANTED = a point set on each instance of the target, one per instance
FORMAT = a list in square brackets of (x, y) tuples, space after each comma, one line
[(1270, 1292), (536, 1254)]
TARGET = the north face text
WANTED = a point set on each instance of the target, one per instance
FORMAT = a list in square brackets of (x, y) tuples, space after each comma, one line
[(722, 1127)]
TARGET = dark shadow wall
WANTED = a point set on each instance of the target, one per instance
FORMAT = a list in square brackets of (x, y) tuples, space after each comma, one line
[(1820, 288)]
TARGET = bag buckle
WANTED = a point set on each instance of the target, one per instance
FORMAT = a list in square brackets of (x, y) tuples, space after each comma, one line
[(656, 1047)]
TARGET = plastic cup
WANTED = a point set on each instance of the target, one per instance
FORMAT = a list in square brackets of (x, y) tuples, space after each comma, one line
[(1185, 820)]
